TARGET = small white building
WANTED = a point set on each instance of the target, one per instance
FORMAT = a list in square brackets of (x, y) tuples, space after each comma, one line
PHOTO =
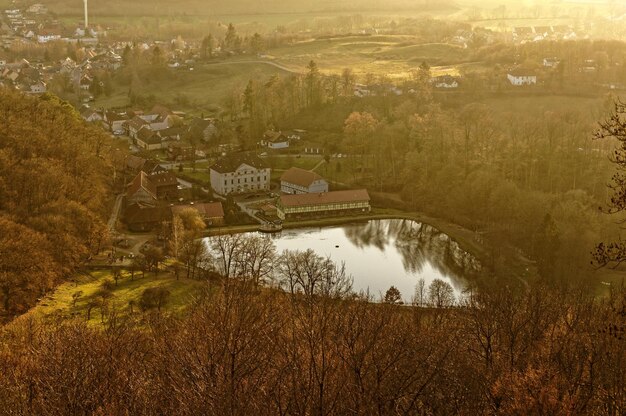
[(520, 78), (300, 181), (240, 173), (38, 88), (47, 36), (275, 140)]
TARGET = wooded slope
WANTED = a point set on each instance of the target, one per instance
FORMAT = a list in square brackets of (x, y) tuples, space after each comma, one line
[(52, 196)]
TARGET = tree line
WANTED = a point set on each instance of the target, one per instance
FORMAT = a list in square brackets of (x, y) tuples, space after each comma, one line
[(245, 349)]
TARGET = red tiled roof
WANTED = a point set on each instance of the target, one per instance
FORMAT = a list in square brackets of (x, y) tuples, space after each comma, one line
[(300, 177), (208, 210), (137, 123), (141, 213), (163, 179), (334, 197), (135, 162), (141, 181)]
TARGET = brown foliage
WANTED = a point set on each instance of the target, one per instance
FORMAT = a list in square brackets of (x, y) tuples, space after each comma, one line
[(52, 196)]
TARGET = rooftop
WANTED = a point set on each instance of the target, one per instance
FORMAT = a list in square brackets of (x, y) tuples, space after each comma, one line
[(207, 210), (141, 181), (300, 177), (334, 197), (232, 162)]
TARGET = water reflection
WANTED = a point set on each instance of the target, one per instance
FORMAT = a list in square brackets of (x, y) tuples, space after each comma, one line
[(382, 253)]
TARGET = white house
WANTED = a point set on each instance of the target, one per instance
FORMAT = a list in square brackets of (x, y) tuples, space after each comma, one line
[(300, 181), (240, 173), (275, 140), (519, 78), (159, 118), (38, 88)]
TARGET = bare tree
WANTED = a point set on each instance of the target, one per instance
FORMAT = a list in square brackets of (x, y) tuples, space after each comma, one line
[(420, 293), (256, 259), (308, 273), (227, 249), (440, 294)]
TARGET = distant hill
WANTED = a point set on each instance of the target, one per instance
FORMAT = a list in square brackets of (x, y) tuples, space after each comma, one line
[(220, 7)]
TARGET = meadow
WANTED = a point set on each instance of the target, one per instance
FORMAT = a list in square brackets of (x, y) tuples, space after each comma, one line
[(203, 88), (125, 293)]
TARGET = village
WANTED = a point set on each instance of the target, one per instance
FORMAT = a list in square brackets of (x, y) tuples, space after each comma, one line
[(178, 160)]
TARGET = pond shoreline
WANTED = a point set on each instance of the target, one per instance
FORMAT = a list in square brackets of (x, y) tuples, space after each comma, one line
[(511, 264)]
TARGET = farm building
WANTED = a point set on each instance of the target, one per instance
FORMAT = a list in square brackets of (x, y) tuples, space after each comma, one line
[(323, 204)]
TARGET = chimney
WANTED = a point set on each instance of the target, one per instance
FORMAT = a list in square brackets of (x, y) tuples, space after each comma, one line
[(86, 15)]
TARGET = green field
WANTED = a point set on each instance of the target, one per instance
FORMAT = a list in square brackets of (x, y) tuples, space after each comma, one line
[(60, 303), (203, 88)]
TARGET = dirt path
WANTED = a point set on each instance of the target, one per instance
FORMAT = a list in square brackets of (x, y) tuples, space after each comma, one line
[(115, 214), (258, 61)]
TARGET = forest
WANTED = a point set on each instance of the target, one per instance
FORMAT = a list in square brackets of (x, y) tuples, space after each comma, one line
[(242, 349), (54, 193)]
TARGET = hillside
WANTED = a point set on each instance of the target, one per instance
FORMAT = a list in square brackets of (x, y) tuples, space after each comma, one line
[(54, 194)]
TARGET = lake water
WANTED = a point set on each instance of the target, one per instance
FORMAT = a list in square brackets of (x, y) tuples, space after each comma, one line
[(382, 253)]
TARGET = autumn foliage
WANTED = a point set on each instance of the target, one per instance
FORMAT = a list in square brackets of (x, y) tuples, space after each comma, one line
[(53, 196)]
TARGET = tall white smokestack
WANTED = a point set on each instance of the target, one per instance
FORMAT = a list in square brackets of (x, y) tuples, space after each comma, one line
[(86, 15)]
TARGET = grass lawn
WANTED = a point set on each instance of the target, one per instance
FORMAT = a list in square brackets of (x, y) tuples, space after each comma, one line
[(200, 175), (182, 292)]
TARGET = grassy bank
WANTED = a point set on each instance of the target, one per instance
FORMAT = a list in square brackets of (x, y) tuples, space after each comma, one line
[(127, 292)]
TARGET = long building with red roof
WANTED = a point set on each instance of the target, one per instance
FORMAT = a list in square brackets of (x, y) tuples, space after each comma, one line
[(323, 204)]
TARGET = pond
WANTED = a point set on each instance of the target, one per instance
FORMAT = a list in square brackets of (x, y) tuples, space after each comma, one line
[(383, 253)]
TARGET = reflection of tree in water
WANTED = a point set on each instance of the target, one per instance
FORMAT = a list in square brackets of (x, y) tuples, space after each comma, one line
[(418, 244), (373, 233)]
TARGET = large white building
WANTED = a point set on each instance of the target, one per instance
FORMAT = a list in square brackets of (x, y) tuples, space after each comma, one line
[(300, 181), (240, 173)]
